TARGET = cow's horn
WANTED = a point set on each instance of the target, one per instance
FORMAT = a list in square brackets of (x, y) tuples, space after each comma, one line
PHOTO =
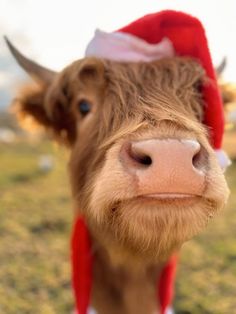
[(220, 68), (36, 71)]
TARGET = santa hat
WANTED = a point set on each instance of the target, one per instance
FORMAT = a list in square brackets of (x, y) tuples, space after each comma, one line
[(163, 34)]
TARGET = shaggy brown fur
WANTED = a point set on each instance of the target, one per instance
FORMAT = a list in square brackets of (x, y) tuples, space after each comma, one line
[(129, 102)]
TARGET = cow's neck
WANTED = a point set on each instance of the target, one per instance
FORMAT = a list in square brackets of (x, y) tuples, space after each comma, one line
[(123, 287)]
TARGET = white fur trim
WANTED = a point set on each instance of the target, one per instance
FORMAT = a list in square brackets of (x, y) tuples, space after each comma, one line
[(125, 47), (222, 158)]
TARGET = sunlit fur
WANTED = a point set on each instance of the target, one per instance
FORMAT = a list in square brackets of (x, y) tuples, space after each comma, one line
[(135, 101)]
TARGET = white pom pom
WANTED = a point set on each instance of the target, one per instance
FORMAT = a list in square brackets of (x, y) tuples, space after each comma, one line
[(223, 159)]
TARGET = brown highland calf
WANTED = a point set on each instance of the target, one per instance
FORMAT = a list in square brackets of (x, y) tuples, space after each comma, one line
[(143, 173)]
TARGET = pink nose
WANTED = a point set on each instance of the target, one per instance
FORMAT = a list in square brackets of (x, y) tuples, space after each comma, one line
[(167, 166)]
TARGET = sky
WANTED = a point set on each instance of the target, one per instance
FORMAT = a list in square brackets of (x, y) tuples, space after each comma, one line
[(56, 32)]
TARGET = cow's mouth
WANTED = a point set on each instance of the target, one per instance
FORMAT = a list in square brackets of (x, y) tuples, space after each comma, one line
[(169, 196), (173, 199), (177, 200)]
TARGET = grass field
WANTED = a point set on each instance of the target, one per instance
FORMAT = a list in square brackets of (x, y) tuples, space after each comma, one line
[(35, 219)]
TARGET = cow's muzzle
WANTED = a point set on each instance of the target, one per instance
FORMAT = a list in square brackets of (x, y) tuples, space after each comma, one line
[(166, 167)]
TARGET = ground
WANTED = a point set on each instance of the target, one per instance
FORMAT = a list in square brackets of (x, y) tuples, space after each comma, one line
[(35, 222)]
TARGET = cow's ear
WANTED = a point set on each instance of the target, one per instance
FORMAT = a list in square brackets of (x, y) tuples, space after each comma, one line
[(29, 106), (33, 111)]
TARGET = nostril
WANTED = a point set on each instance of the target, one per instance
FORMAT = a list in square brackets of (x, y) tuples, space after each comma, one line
[(139, 156), (144, 160), (199, 160), (196, 159)]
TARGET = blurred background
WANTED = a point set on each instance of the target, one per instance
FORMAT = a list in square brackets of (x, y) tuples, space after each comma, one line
[(35, 205)]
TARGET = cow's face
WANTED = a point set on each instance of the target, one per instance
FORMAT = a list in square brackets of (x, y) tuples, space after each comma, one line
[(142, 169)]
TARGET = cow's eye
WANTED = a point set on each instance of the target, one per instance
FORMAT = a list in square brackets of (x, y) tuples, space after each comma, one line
[(84, 107)]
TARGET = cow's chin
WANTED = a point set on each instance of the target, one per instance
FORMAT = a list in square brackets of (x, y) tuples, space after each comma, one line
[(151, 229)]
